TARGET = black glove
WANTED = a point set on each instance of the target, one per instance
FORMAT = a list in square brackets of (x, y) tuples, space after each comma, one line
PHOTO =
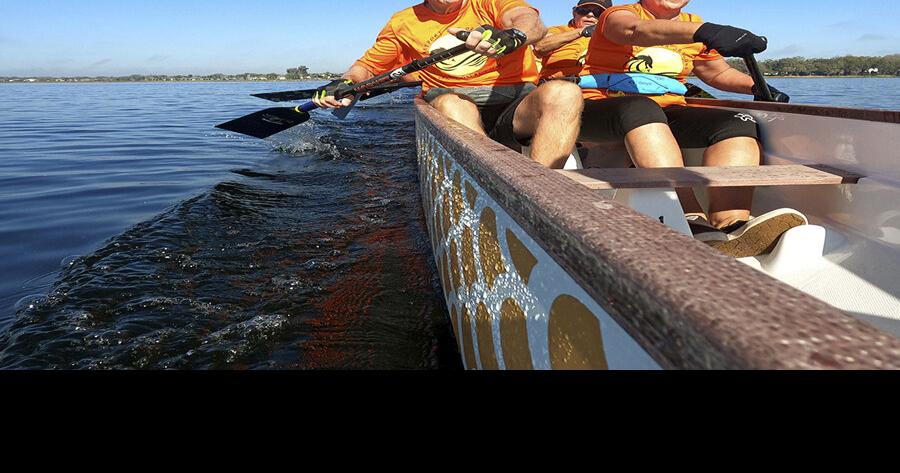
[(337, 89), (504, 41), (730, 41), (588, 31), (777, 95)]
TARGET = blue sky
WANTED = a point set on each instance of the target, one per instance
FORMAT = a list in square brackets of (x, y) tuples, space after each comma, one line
[(119, 37)]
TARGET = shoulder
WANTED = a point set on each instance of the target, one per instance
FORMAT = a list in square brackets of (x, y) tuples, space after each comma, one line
[(499, 7), (559, 29), (403, 18), (634, 9), (692, 18)]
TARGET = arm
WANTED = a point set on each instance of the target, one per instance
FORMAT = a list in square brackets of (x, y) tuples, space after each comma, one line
[(526, 20), (624, 27), (551, 43), (358, 73), (720, 75)]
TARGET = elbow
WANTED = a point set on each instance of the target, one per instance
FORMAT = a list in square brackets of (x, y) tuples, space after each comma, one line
[(541, 50)]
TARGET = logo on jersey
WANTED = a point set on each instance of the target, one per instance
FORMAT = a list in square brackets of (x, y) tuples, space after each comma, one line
[(660, 61), (459, 66)]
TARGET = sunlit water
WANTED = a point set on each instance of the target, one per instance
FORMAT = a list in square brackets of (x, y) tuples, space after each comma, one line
[(135, 235)]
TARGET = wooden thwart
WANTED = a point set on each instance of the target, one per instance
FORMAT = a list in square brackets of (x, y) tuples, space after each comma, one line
[(673, 178)]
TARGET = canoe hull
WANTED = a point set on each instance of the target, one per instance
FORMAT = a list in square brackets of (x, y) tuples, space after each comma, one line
[(511, 305), (541, 273)]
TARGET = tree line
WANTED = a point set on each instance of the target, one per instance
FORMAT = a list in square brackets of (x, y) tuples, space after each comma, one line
[(293, 74), (836, 66)]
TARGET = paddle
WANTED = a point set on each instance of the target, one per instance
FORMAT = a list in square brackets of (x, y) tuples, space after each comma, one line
[(266, 123), (697, 92), (758, 78), (294, 95)]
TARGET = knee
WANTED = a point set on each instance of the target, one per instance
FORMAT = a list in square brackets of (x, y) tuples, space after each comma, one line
[(560, 96)]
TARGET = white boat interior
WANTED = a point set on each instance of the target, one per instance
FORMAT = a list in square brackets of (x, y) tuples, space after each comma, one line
[(849, 255)]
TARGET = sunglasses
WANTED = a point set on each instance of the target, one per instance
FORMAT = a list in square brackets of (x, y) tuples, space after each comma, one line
[(583, 11)]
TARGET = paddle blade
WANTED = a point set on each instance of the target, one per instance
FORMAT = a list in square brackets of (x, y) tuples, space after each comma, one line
[(289, 96), (267, 122), (693, 91)]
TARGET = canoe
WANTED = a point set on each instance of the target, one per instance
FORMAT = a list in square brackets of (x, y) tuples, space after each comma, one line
[(595, 269)]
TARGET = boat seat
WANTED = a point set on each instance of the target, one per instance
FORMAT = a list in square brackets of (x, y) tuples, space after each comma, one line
[(675, 178), (652, 191)]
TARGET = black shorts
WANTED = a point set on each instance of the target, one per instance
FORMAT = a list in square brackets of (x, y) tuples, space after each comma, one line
[(497, 106), (609, 120)]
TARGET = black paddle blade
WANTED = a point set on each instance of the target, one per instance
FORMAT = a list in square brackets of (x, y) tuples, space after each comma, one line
[(289, 96), (267, 122)]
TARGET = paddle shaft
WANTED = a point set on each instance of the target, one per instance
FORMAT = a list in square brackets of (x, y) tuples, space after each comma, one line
[(266, 123), (293, 95), (399, 73), (759, 79), (415, 66)]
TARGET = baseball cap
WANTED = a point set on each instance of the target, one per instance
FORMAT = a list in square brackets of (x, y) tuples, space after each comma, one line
[(599, 3)]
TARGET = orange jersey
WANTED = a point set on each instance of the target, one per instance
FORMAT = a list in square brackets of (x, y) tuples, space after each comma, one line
[(419, 32), (568, 60), (674, 60)]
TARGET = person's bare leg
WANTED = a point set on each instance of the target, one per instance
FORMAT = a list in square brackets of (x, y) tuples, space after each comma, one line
[(551, 115), (653, 146), (728, 205), (461, 109)]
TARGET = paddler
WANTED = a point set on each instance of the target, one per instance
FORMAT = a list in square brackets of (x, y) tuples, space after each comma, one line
[(564, 49), (658, 40), (491, 91)]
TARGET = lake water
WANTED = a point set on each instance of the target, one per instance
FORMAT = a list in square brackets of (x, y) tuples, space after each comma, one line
[(135, 235)]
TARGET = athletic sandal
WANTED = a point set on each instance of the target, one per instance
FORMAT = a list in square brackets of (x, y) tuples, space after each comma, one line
[(704, 231), (760, 235)]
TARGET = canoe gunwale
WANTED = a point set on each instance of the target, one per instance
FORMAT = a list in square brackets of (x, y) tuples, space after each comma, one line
[(870, 115), (687, 306)]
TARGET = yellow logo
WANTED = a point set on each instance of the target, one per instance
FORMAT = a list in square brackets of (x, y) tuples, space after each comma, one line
[(659, 61), (459, 66)]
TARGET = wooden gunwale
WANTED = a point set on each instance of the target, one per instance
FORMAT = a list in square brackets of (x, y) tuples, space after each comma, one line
[(686, 305), (870, 115)]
